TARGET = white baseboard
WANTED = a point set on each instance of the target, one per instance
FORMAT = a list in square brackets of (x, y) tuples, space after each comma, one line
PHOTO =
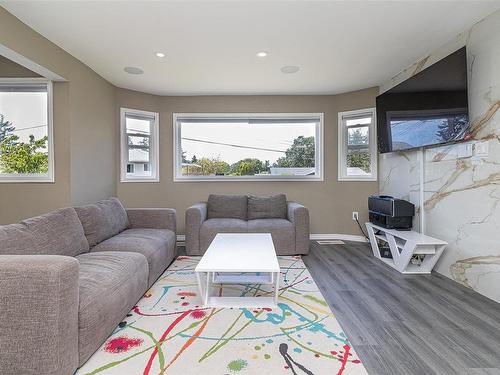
[(330, 236), (338, 236)]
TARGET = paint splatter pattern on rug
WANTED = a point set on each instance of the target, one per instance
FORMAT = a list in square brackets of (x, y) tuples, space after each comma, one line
[(169, 332)]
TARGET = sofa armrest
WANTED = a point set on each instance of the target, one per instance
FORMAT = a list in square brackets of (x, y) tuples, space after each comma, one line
[(156, 218), (299, 216), (195, 216), (39, 314)]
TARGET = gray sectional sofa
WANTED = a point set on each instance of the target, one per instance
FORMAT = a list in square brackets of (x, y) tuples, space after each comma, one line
[(67, 279), (288, 222)]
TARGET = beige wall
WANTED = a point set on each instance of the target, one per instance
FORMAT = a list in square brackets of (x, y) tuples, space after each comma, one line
[(330, 202), (84, 129), (9, 69), (94, 139)]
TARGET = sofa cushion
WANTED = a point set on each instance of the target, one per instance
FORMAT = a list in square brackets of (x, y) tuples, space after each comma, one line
[(282, 231), (55, 233), (102, 220), (211, 227), (227, 206), (111, 283), (273, 207), (157, 245)]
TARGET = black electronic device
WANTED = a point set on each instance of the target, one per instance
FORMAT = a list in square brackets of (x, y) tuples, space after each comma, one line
[(390, 212)]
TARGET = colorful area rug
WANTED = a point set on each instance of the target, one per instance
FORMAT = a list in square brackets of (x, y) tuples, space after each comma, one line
[(168, 332)]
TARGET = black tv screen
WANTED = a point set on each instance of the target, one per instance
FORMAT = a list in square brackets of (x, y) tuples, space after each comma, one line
[(430, 108)]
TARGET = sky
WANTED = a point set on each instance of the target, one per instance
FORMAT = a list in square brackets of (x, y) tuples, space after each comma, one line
[(14, 106), (277, 138)]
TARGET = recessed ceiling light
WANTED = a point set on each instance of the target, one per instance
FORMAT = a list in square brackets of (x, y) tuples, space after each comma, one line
[(133, 70), (160, 54), (289, 69), (262, 54)]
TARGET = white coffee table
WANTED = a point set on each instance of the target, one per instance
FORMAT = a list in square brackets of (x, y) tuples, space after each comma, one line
[(238, 258)]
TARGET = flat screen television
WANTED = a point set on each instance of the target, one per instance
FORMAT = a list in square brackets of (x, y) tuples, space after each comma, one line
[(429, 108)]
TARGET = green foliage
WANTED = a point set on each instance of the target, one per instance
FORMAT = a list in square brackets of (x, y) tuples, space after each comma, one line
[(360, 160), (6, 128), (20, 157), (213, 166), (184, 159), (300, 154), (249, 167)]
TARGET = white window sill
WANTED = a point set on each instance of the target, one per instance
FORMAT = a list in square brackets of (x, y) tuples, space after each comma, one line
[(247, 179), (22, 180), (367, 179), (140, 180)]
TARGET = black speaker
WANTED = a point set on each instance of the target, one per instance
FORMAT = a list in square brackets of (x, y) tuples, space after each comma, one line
[(390, 213)]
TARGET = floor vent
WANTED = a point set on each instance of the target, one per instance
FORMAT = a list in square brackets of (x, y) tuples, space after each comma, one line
[(330, 242)]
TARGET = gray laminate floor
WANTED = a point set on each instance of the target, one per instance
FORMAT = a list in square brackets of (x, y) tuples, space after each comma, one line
[(404, 324)]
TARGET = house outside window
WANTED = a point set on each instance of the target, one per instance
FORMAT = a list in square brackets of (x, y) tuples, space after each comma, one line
[(139, 146), (243, 147), (26, 130), (357, 146)]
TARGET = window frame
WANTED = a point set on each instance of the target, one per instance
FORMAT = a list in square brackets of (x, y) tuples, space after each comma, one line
[(154, 145), (342, 144), (49, 177), (177, 153)]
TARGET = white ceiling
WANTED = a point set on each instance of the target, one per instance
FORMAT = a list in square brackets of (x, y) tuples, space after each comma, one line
[(211, 45)]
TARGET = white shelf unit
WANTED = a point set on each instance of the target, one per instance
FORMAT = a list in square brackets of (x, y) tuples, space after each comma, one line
[(243, 278), (403, 245)]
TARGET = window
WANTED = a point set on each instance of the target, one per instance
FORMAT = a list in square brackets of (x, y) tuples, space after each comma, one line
[(357, 146), (214, 147), (26, 147), (139, 146)]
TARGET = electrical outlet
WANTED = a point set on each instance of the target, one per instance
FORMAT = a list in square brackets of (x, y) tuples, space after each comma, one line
[(355, 215), (481, 149)]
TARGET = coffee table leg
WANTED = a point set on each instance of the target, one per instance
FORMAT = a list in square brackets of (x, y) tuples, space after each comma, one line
[(207, 290), (276, 276), (200, 286)]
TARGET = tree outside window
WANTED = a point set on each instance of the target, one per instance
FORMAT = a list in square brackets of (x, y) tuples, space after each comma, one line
[(252, 145), (24, 130)]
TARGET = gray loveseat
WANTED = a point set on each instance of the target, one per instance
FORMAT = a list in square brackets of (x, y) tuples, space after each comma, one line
[(69, 277), (288, 222)]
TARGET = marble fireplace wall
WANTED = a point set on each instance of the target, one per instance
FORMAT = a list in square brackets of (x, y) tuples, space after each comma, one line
[(461, 192)]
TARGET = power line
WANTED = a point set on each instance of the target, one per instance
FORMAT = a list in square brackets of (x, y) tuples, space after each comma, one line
[(30, 127), (233, 145), (145, 132)]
